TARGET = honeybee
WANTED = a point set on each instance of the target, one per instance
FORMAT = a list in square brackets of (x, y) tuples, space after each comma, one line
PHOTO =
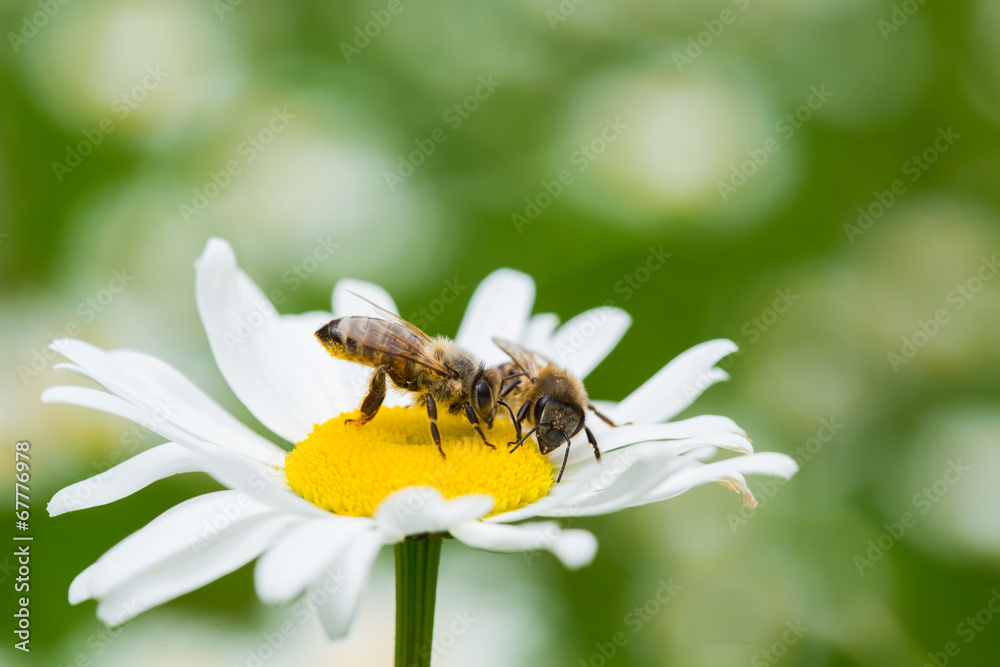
[(550, 398), (436, 369)]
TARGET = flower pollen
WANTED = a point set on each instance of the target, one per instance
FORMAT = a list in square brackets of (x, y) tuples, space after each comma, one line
[(349, 469)]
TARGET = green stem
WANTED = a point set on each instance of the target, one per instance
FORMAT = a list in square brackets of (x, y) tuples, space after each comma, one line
[(416, 589)]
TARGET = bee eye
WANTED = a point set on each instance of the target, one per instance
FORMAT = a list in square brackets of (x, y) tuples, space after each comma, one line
[(483, 394), (540, 407)]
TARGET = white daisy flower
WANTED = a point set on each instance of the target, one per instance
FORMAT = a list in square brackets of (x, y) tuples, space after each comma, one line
[(316, 517)]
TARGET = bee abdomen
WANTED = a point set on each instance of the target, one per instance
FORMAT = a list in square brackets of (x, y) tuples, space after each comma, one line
[(343, 338), (361, 340)]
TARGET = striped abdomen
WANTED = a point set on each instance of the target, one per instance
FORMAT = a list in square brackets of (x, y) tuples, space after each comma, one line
[(373, 342)]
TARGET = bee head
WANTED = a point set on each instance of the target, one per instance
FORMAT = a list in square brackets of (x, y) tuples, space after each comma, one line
[(557, 422), (485, 392)]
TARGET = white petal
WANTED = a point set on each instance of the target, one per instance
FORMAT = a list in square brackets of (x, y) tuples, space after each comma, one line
[(105, 402), (583, 342), (712, 430), (125, 478), (738, 484), (538, 334), (188, 571), (592, 488), (166, 396), (259, 356), (341, 384), (264, 482), (762, 463), (344, 593), (303, 554), (96, 399), (575, 548), (676, 385), (195, 410), (423, 509), (621, 478), (192, 526), (499, 307), (265, 485), (345, 303)]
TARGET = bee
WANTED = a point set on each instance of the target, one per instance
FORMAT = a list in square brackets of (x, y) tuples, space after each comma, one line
[(436, 369), (551, 398)]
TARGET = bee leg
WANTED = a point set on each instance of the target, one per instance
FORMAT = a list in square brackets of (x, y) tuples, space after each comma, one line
[(373, 401), (471, 416), (593, 442), (522, 412), (604, 418), (513, 419), (432, 414), (507, 388)]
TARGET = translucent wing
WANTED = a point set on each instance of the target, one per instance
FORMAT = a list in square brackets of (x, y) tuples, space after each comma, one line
[(395, 318), (392, 338), (401, 339), (528, 361)]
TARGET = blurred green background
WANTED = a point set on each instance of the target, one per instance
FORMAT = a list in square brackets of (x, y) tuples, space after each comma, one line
[(823, 174)]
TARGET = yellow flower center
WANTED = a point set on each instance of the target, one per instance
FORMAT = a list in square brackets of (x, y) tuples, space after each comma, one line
[(348, 469)]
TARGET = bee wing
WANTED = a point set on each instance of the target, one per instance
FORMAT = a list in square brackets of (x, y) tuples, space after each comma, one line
[(528, 361), (399, 338), (395, 318)]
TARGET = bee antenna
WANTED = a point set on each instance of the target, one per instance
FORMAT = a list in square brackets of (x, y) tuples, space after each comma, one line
[(521, 441), (566, 457)]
